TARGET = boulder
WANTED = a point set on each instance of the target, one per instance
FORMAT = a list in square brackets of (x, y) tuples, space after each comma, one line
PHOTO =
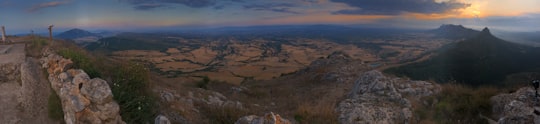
[(268, 118), (162, 120), (520, 107)]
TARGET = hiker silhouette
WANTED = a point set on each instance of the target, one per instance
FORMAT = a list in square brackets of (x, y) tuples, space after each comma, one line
[(536, 84)]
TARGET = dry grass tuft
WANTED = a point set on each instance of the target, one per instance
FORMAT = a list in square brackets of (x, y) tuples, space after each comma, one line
[(316, 113), (456, 104)]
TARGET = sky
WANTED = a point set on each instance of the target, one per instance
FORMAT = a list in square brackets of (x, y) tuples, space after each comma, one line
[(21, 16)]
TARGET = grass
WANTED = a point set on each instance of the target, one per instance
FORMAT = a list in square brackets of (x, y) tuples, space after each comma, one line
[(129, 81), (54, 107), (456, 104), (35, 46), (81, 60)]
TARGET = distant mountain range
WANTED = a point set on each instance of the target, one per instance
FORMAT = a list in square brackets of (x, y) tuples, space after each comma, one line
[(480, 60), (76, 33)]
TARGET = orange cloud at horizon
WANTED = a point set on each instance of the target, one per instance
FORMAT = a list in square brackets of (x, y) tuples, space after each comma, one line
[(485, 8)]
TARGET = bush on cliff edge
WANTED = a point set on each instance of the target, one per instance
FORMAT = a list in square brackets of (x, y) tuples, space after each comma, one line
[(130, 90)]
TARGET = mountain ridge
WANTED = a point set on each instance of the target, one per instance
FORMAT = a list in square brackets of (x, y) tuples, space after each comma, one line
[(481, 60), (452, 31), (76, 33)]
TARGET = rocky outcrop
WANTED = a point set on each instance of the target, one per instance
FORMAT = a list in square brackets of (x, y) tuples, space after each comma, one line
[(162, 120), (189, 104), (382, 100), (520, 107), (9, 72), (84, 100), (268, 118)]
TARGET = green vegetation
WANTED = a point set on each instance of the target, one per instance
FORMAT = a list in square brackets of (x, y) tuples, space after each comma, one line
[(54, 105), (128, 81), (204, 82), (130, 89), (35, 47), (457, 104), (81, 60)]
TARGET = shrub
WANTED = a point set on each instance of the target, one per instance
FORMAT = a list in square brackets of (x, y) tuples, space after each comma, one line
[(457, 104), (81, 60), (218, 114), (204, 82), (131, 91)]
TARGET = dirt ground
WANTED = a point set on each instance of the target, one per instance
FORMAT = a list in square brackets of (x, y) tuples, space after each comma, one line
[(23, 100)]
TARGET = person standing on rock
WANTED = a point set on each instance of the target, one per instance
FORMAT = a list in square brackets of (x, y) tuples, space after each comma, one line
[(536, 84)]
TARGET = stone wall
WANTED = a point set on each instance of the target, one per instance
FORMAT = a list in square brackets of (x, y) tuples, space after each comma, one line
[(84, 100)]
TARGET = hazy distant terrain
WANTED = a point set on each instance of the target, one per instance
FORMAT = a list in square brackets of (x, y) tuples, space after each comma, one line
[(261, 53), (527, 38)]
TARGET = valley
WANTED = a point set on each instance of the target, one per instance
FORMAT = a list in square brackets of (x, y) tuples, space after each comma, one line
[(308, 78), (236, 59)]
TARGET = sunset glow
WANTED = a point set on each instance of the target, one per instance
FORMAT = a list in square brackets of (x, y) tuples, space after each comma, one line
[(127, 14)]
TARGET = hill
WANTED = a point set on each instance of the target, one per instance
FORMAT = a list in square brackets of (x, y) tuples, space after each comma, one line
[(76, 33), (483, 59), (456, 32)]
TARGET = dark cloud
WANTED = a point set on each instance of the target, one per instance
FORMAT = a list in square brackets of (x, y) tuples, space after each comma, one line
[(274, 7), (152, 4), (220, 7), (311, 1), (396, 7), (189, 3), (148, 6), (38, 7)]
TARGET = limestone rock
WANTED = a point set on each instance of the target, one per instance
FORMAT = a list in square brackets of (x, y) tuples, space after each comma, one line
[(84, 100), (162, 120), (520, 107), (9, 72), (382, 100), (268, 118), (97, 90)]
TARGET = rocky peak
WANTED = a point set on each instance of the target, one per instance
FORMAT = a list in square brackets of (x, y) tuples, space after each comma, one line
[(376, 98), (485, 32)]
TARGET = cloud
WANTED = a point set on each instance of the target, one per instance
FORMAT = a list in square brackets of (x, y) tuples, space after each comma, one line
[(38, 7), (220, 7), (149, 6), (396, 7), (152, 4), (274, 7)]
